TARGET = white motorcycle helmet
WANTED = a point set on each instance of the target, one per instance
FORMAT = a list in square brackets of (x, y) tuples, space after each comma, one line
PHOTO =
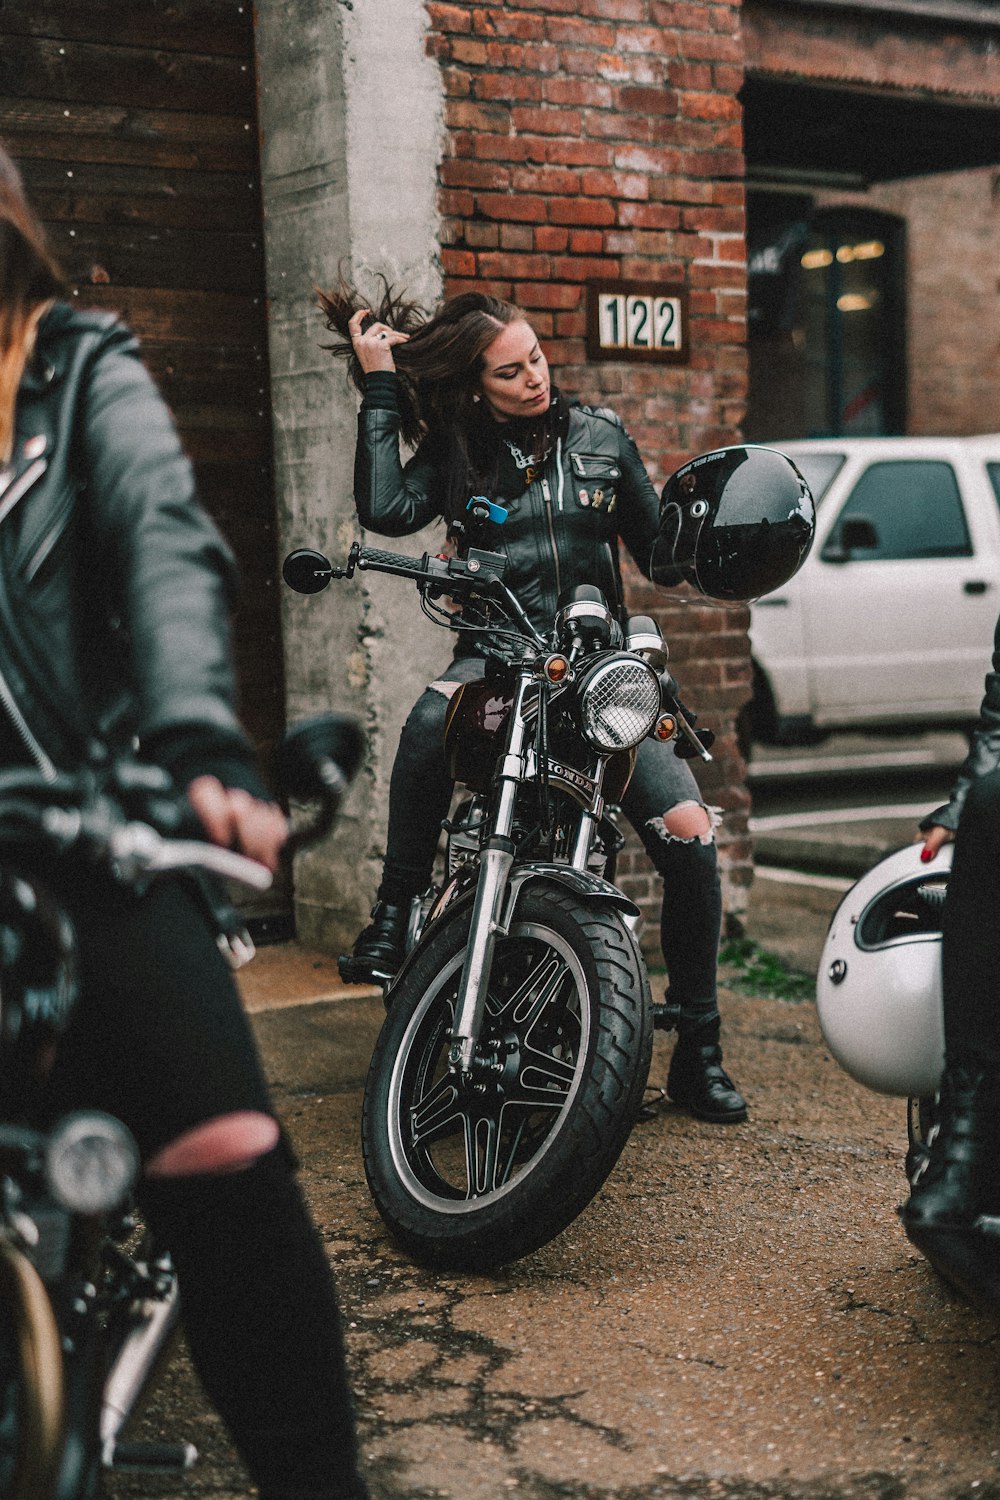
[(878, 991)]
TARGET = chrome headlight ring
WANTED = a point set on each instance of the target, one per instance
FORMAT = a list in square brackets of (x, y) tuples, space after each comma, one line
[(91, 1162), (619, 702)]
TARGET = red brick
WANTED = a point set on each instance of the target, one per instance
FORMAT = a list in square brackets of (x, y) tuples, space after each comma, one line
[(460, 204), (688, 75), (517, 237), (586, 242), (448, 17), (709, 106), (473, 53), (505, 264), (547, 120), (575, 32), (550, 237), (584, 268), (583, 91), (571, 325), (474, 174), (454, 285), (507, 86), (554, 294), (458, 262), (457, 83), (652, 160), (544, 59), (501, 22), (482, 236), (580, 211), (615, 10), (465, 115), (649, 215), (648, 101), (576, 153), (521, 207), (558, 180)]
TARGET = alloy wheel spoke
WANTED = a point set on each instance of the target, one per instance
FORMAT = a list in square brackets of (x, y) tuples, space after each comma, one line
[(544, 1080), (482, 1153), (532, 996), (437, 1113)]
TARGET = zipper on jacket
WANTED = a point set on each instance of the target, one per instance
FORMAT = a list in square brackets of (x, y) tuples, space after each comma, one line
[(17, 488), (552, 535), (23, 732)]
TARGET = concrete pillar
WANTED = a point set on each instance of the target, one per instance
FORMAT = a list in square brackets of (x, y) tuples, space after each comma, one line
[(351, 132)]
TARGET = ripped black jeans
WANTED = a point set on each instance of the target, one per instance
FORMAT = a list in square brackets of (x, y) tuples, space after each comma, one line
[(420, 795)]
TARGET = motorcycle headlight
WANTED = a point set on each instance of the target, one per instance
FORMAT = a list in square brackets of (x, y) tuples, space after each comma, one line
[(619, 703), (91, 1162)]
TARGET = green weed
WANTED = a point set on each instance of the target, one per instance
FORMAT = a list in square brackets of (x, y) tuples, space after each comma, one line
[(755, 971)]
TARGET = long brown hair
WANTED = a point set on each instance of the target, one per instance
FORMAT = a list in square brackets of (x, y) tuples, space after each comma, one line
[(439, 370), (30, 276)]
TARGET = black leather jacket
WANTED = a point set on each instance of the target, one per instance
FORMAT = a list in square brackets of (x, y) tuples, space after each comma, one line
[(114, 584), (984, 752), (562, 530)]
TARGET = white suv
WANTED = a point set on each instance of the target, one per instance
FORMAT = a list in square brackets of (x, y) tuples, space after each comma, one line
[(889, 622)]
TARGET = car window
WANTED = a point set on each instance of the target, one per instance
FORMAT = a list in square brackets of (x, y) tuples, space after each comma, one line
[(993, 470), (915, 507), (818, 470)]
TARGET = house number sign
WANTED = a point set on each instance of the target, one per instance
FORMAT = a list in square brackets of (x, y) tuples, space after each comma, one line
[(637, 320)]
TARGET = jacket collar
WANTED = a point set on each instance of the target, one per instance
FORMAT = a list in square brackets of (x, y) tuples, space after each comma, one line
[(51, 353)]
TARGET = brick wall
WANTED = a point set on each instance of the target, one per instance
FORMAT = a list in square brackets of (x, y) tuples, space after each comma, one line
[(602, 139)]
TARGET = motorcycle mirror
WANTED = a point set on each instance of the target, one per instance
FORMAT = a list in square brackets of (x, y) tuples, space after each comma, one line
[(306, 571)]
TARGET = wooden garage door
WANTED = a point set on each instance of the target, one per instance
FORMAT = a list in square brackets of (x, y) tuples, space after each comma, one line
[(134, 123)]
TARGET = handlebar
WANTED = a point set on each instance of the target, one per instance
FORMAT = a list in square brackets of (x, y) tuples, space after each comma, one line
[(479, 575), (130, 819)]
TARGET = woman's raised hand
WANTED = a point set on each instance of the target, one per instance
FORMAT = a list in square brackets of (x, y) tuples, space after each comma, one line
[(374, 344)]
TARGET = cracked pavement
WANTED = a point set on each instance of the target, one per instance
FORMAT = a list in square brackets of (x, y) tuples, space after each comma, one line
[(737, 1316)]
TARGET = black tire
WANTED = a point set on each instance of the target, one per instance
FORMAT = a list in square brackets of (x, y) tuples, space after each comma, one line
[(922, 1117), (570, 1026), (31, 1388)]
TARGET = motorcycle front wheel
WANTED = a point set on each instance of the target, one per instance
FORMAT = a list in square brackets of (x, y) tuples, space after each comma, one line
[(469, 1173), (31, 1382)]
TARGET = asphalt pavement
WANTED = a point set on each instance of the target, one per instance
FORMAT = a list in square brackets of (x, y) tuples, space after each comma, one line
[(737, 1315)]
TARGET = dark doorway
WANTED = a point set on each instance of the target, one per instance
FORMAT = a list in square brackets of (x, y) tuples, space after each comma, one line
[(135, 127), (826, 320)]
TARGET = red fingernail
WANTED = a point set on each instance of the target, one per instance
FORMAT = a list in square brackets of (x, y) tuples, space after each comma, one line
[(927, 855)]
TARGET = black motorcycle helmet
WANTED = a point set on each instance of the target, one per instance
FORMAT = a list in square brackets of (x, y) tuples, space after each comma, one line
[(735, 524)]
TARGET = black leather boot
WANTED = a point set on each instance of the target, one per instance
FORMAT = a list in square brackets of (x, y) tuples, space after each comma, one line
[(956, 1183), (948, 1187), (698, 1080), (380, 948)]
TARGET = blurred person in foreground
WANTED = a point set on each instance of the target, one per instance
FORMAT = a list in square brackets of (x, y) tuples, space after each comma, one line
[(114, 596), (958, 1181)]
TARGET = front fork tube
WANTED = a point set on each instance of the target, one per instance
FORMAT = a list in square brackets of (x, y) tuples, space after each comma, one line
[(495, 865)]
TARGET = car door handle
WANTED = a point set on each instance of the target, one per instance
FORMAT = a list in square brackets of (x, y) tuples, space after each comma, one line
[(975, 586)]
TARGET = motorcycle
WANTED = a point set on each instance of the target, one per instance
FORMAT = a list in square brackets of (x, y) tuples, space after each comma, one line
[(513, 1059), (514, 1056), (88, 1304)]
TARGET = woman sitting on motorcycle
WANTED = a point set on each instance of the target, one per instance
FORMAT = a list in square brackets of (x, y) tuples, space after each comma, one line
[(469, 388), (114, 596), (960, 1179)]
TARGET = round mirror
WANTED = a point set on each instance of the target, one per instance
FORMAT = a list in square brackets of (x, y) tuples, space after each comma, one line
[(306, 571)]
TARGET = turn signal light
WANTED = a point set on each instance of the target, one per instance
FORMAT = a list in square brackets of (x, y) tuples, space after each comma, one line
[(556, 668), (665, 727)]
